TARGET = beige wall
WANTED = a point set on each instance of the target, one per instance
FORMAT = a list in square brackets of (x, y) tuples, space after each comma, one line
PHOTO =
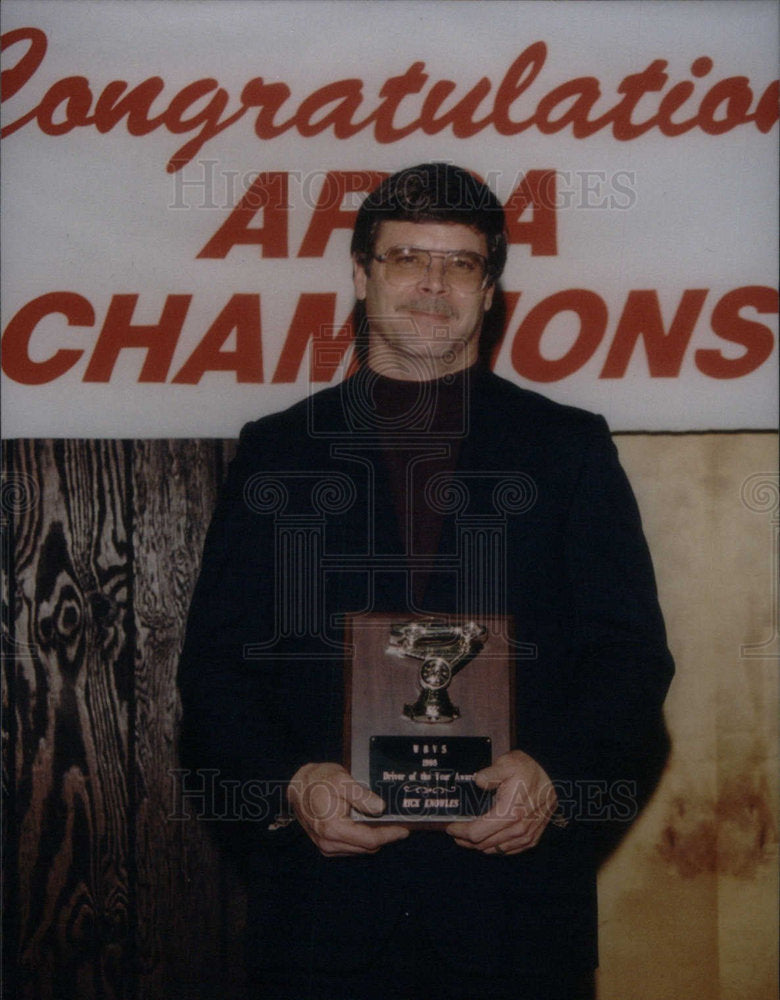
[(689, 901)]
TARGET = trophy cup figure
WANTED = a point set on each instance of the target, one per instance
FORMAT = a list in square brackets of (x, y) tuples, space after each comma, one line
[(444, 650)]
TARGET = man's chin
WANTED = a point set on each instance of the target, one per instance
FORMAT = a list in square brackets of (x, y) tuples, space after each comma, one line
[(418, 358), (431, 359), (436, 348)]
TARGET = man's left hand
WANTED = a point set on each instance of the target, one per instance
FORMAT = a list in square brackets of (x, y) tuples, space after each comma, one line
[(524, 802)]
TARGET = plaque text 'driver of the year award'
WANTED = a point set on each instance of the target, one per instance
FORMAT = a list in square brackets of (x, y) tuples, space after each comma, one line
[(429, 702)]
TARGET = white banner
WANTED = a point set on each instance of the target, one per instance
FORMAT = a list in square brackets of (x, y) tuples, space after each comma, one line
[(179, 182)]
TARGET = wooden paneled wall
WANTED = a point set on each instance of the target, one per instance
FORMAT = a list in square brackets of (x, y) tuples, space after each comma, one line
[(106, 894)]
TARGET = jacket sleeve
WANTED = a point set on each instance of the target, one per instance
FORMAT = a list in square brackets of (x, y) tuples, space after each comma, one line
[(237, 754), (606, 744)]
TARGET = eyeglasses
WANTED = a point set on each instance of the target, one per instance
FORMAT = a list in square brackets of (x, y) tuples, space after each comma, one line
[(464, 270)]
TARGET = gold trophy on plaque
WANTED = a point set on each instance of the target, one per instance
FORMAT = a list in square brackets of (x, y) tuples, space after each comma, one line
[(421, 754), (444, 650)]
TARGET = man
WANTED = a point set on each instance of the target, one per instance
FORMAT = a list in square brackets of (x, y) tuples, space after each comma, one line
[(340, 505)]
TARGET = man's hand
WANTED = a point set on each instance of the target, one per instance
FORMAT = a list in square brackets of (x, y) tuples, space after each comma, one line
[(524, 802), (322, 797)]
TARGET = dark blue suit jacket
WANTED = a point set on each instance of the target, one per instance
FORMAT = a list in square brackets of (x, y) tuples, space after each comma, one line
[(305, 530)]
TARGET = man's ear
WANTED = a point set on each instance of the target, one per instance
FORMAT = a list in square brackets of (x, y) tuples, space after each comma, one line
[(359, 278), (488, 297)]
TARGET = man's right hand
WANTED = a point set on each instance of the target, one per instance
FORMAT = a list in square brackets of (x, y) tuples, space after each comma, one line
[(323, 796)]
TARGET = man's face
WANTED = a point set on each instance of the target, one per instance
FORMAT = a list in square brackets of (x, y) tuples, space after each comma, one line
[(425, 329)]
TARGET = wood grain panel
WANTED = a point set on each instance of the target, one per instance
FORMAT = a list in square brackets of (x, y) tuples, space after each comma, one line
[(179, 893), (72, 680)]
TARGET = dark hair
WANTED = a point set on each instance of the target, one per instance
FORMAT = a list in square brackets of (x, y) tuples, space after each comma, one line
[(433, 192)]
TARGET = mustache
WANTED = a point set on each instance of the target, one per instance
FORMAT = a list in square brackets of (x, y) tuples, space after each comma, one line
[(429, 305)]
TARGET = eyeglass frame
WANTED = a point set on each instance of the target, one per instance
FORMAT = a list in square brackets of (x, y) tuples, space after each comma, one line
[(382, 259)]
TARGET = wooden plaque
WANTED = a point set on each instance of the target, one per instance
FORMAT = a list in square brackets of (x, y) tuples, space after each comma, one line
[(420, 758)]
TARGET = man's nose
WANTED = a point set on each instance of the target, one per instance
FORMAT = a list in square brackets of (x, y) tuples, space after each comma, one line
[(433, 279)]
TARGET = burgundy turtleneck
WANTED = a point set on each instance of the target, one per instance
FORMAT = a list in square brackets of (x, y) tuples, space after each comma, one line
[(415, 419)]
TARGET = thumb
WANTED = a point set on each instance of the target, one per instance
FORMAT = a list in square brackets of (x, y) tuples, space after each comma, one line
[(363, 799), (503, 767), (489, 777)]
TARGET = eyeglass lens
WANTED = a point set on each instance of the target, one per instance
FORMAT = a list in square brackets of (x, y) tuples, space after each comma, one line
[(406, 265)]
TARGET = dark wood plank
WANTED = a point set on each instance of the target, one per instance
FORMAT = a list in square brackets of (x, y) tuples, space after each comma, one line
[(183, 923), (17, 495), (72, 676)]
